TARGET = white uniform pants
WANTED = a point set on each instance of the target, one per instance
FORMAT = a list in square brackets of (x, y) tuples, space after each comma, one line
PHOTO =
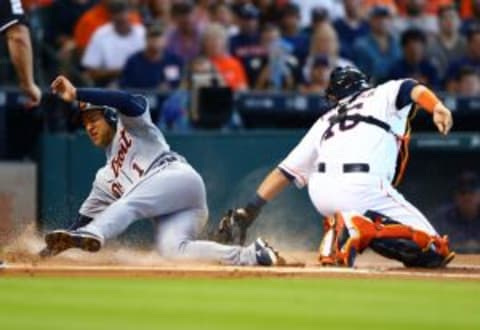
[(361, 192)]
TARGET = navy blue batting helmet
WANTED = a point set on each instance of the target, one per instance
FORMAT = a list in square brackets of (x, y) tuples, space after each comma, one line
[(345, 81), (109, 113)]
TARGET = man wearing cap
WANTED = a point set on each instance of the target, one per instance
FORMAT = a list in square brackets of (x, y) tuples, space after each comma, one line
[(153, 68), (245, 45), (291, 32), (184, 39), (461, 218), (112, 44), (375, 52), (351, 27)]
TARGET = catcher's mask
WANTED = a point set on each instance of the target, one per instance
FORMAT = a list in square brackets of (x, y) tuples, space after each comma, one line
[(345, 81)]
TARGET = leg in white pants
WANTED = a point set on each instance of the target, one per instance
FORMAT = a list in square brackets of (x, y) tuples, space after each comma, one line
[(175, 198), (361, 193)]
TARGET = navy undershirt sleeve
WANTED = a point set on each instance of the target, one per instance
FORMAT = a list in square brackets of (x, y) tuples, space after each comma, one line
[(125, 103), (287, 175), (404, 93)]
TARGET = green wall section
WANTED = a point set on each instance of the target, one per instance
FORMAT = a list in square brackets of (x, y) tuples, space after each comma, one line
[(232, 165)]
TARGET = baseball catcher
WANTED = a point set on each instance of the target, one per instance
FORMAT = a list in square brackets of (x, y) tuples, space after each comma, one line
[(142, 179), (351, 159)]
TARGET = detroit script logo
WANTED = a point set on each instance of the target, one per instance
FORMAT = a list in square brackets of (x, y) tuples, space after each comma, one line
[(117, 161)]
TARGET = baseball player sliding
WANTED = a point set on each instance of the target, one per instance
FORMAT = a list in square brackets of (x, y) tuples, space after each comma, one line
[(349, 159), (141, 179)]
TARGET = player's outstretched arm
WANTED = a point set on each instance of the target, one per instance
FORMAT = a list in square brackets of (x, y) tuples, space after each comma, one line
[(125, 103), (273, 184), (442, 117), (233, 226)]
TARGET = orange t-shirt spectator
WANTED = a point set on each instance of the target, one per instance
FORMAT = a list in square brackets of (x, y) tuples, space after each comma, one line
[(214, 46), (231, 71), (97, 16)]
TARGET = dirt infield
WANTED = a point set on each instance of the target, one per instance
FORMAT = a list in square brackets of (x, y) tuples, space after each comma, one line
[(130, 263), (21, 259)]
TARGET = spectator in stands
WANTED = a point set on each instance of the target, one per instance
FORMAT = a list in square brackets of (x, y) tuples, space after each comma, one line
[(376, 52), (222, 14), (391, 5), (351, 27), (467, 83), (269, 11), (184, 40), (471, 59), (319, 76), (318, 17), (245, 46), (175, 109), (461, 218), (416, 17), (153, 68), (292, 32), (112, 44), (449, 44), (201, 12), (63, 16), (156, 11), (59, 27), (414, 62), (324, 43), (278, 66), (473, 22), (94, 18), (214, 46), (333, 7)]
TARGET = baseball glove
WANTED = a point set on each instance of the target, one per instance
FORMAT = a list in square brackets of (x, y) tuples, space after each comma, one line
[(234, 224)]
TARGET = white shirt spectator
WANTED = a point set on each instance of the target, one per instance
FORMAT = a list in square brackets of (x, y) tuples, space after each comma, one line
[(109, 50)]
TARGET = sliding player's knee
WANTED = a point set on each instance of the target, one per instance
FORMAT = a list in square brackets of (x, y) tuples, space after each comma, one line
[(172, 247)]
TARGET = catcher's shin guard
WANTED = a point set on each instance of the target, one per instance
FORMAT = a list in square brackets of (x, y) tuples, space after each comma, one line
[(347, 234), (341, 241)]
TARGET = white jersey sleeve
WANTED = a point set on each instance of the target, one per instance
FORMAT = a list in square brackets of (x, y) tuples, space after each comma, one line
[(389, 91), (300, 162)]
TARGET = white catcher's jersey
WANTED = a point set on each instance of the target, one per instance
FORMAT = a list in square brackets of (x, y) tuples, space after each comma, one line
[(136, 146), (353, 142)]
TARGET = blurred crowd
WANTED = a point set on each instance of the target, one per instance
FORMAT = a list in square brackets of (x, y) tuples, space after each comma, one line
[(257, 44)]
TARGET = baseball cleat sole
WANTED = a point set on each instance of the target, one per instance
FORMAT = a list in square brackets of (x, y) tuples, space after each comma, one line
[(61, 240)]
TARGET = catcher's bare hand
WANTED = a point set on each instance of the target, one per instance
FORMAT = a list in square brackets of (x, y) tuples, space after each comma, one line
[(442, 117), (62, 87)]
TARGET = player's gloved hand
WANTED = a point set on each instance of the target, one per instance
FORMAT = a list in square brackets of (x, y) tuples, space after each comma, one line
[(234, 224), (442, 117)]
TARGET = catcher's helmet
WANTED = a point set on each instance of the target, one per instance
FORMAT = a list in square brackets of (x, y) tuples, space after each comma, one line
[(109, 113), (345, 81)]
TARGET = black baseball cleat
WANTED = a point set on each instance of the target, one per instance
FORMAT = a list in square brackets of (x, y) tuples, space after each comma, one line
[(61, 240), (267, 255)]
